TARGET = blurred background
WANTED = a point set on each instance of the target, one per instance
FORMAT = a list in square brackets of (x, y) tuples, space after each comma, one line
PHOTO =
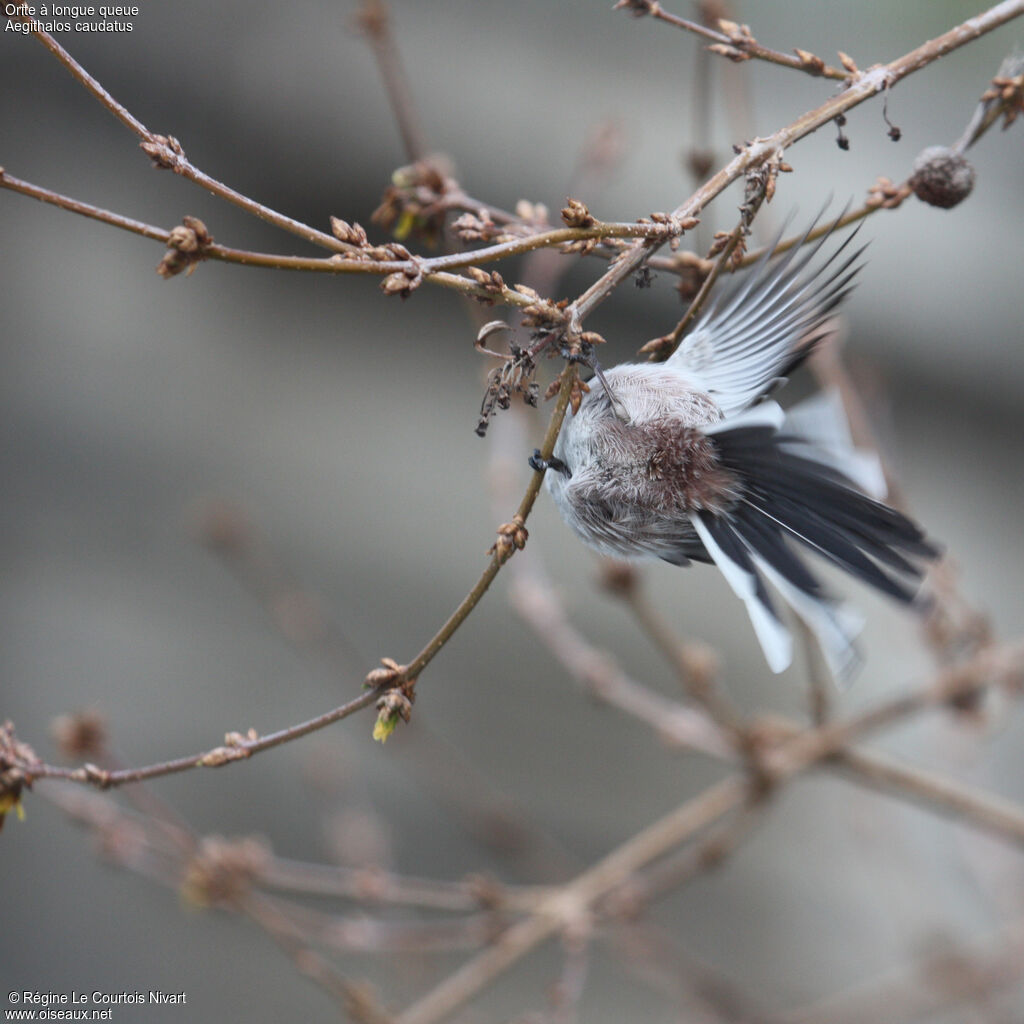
[(342, 423)]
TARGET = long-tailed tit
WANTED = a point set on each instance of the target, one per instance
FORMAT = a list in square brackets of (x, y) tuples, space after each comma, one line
[(689, 461)]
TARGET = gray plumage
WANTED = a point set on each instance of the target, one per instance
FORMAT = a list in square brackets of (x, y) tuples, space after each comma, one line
[(692, 463)]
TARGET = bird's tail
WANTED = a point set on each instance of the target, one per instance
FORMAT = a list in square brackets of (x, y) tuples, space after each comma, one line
[(814, 488)]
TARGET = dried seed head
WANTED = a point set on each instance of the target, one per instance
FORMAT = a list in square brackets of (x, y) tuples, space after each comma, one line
[(513, 377), (942, 177)]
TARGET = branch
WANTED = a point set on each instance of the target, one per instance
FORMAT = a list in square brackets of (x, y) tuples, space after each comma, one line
[(790, 759), (575, 898), (167, 153), (374, 19), (863, 86), (921, 990), (502, 552), (236, 747), (435, 270), (735, 41), (600, 676), (996, 815)]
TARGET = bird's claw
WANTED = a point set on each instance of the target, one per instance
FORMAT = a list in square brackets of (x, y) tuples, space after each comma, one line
[(540, 464)]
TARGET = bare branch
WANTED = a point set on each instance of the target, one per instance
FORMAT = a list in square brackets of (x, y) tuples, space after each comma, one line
[(735, 41)]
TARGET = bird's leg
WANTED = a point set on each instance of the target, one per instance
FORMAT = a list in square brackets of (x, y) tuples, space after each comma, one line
[(540, 464)]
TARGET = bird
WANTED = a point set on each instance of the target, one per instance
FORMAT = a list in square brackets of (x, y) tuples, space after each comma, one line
[(692, 460)]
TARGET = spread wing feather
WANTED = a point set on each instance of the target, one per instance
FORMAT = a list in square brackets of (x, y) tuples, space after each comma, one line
[(762, 329)]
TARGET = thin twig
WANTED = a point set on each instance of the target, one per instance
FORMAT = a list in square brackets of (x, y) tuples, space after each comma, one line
[(819, 679), (601, 677), (116, 220), (863, 86), (987, 812), (445, 633), (436, 270), (166, 152), (105, 816), (737, 44), (695, 670), (374, 19), (236, 748), (357, 1001), (671, 341), (871, 206), (828, 744), (383, 887), (993, 667)]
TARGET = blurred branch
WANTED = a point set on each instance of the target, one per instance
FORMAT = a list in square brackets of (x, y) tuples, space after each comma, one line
[(575, 899), (602, 678), (987, 812), (695, 665), (125, 835), (237, 746), (676, 870), (947, 978), (781, 763), (374, 20)]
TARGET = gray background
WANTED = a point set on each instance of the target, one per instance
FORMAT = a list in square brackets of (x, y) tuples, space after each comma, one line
[(343, 422)]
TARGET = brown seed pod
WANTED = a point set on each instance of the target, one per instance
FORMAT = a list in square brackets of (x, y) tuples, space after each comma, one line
[(942, 177)]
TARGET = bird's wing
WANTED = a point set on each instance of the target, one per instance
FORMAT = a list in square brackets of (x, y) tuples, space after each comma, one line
[(763, 328)]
